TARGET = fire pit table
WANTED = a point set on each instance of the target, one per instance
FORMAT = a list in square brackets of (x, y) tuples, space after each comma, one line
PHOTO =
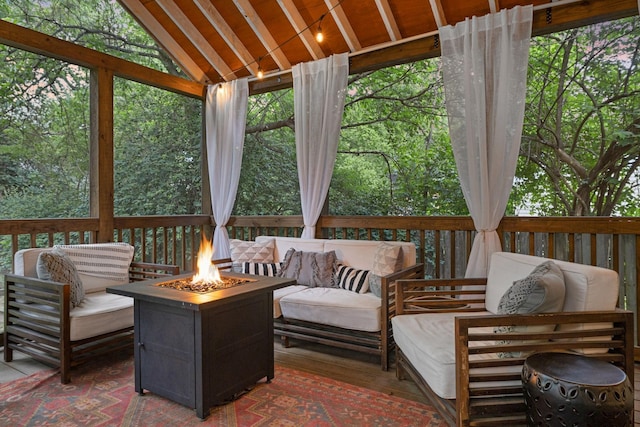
[(202, 349)]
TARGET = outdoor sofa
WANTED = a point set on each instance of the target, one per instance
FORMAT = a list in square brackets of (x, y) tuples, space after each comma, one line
[(352, 312), (65, 322), (464, 341)]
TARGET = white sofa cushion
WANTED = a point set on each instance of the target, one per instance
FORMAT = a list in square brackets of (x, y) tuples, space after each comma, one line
[(428, 342), (334, 307), (278, 294), (283, 244)]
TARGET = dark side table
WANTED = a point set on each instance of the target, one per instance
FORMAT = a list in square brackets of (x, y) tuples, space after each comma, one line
[(564, 389)]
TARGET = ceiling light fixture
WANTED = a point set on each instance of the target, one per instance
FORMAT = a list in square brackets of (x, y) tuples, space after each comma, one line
[(319, 35)]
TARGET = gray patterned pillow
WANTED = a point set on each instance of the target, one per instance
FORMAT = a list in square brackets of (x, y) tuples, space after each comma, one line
[(542, 291), (55, 265), (313, 269)]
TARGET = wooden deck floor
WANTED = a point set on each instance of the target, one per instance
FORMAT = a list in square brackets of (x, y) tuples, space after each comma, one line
[(342, 365)]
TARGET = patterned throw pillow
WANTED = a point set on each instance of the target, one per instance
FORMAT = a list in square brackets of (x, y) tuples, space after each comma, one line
[(542, 291), (56, 266), (386, 260), (313, 269), (247, 251), (105, 260), (352, 279), (262, 268)]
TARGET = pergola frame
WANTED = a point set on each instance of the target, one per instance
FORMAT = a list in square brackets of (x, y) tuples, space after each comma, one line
[(104, 68)]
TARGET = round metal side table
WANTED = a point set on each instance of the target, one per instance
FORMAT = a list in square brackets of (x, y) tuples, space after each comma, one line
[(564, 389)]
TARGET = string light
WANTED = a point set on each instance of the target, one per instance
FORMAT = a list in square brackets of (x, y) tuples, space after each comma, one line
[(319, 35), (260, 74)]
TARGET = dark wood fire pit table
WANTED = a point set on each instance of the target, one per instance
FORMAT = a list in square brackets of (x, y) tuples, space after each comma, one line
[(202, 349)]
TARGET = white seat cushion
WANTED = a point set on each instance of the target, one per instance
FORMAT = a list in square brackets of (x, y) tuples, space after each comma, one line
[(282, 292), (428, 342), (334, 307), (100, 313)]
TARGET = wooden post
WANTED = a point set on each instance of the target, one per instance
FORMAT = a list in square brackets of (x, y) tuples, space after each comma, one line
[(101, 153)]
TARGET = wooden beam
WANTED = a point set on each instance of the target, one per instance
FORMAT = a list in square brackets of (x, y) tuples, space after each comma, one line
[(196, 37), (438, 13), (389, 21), (226, 32), (343, 24), (164, 39), (261, 31), (32, 41), (419, 48), (301, 28), (101, 181)]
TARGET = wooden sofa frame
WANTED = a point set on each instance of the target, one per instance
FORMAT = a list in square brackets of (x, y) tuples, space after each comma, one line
[(48, 340), (483, 399), (376, 343)]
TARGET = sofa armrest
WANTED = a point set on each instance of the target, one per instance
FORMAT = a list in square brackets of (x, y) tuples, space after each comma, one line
[(36, 310), (489, 384), (444, 295), (139, 271), (387, 304)]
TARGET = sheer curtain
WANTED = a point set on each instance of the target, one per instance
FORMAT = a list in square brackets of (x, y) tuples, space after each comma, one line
[(226, 116), (318, 91), (484, 65)]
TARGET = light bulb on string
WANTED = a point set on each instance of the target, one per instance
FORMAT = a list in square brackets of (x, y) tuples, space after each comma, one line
[(260, 74), (319, 35)]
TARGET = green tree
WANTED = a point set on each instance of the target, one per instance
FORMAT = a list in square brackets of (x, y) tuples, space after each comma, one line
[(581, 141)]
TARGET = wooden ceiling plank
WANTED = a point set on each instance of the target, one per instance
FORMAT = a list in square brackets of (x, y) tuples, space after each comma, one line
[(389, 21), (164, 39), (262, 32), (337, 12), (438, 13), (302, 29), (229, 36), (198, 40), (43, 44)]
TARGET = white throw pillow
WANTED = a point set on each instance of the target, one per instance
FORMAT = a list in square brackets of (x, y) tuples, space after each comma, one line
[(386, 260)]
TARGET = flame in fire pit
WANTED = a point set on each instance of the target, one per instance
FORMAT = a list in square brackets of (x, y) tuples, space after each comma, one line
[(207, 272)]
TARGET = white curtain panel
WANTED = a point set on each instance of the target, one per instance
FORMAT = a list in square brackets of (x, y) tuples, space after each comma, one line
[(484, 66), (226, 117), (319, 89)]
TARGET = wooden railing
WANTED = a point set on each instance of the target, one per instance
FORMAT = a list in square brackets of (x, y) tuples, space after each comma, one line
[(443, 243)]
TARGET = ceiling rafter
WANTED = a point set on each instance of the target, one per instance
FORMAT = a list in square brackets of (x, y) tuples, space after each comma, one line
[(198, 40), (230, 37), (262, 32), (493, 6), (389, 21), (438, 13), (337, 12), (165, 40), (299, 25)]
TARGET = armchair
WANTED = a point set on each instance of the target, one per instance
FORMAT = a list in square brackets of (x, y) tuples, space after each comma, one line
[(467, 358), (41, 322)]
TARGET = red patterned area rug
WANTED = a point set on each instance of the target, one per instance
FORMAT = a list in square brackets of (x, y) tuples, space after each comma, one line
[(102, 394)]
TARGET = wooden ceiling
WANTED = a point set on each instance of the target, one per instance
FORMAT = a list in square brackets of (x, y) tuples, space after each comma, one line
[(221, 40)]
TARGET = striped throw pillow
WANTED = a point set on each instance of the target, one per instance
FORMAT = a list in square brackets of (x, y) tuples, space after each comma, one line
[(261, 268), (107, 260), (352, 279)]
